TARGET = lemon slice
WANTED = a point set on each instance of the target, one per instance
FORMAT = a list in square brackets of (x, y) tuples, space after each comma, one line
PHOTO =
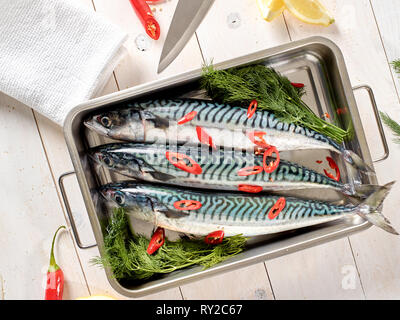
[(309, 11), (270, 9)]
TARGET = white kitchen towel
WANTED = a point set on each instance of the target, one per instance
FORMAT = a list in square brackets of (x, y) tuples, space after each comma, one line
[(55, 54)]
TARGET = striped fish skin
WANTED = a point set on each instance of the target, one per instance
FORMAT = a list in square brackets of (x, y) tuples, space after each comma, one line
[(235, 213), (219, 168), (156, 121)]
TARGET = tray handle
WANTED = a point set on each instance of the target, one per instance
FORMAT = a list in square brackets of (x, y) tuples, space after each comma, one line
[(377, 118), (69, 212)]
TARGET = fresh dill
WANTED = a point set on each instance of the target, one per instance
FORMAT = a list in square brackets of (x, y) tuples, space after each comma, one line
[(393, 125), (387, 120), (396, 65), (125, 252), (272, 91)]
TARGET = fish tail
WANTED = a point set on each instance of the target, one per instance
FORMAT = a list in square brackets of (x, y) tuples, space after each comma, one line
[(361, 191), (357, 162), (370, 209)]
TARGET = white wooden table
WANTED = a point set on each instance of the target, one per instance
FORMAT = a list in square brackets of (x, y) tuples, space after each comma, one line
[(33, 154)]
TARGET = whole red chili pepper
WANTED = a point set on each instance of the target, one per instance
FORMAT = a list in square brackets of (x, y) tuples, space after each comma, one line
[(157, 240), (145, 15), (215, 237), (55, 276)]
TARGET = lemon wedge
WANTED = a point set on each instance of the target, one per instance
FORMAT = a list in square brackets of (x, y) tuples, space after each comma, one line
[(309, 11), (270, 9)]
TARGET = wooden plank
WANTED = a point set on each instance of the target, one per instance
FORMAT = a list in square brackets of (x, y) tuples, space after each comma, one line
[(220, 42), (327, 271), (235, 28), (249, 283), (387, 18), (30, 212), (377, 253)]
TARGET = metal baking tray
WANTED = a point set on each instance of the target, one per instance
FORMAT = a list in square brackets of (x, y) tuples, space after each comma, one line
[(318, 63)]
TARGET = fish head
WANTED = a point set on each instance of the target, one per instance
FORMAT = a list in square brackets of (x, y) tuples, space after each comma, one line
[(118, 124), (105, 158), (121, 159), (114, 193), (129, 195), (123, 193)]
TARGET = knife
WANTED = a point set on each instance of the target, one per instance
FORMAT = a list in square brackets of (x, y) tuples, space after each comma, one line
[(187, 17)]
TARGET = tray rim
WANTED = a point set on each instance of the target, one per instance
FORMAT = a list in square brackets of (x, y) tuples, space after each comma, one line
[(181, 79)]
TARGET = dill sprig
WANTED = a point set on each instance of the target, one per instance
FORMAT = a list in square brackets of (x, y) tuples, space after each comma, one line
[(125, 252), (396, 65), (272, 91), (393, 125)]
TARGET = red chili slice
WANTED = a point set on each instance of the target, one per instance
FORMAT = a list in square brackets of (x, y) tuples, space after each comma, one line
[(187, 118), (319, 161), (187, 205), (277, 208), (257, 137), (157, 240), (252, 108), (203, 137), (341, 111), (178, 160), (215, 237), (297, 85), (271, 167), (249, 188), (248, 171), (326, 115), (334, 166)]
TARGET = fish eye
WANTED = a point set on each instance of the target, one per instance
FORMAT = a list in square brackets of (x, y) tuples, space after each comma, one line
[(105, 121), (108, 161), (119, 198)]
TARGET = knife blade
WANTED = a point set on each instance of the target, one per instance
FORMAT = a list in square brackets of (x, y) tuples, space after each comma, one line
[(187, 17)]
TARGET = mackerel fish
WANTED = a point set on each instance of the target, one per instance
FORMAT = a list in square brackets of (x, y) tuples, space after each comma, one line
[(220, 169), (156, 121), (234, 213)]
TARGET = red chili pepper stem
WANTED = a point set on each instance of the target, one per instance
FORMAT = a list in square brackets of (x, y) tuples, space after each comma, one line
[(53, 265), (55, 276)]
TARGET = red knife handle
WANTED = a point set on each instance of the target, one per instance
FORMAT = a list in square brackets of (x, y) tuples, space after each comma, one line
[(146, 17)]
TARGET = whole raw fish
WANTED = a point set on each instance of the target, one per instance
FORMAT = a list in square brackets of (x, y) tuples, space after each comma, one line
[(221, 169), (235, 213), (219, 125)]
